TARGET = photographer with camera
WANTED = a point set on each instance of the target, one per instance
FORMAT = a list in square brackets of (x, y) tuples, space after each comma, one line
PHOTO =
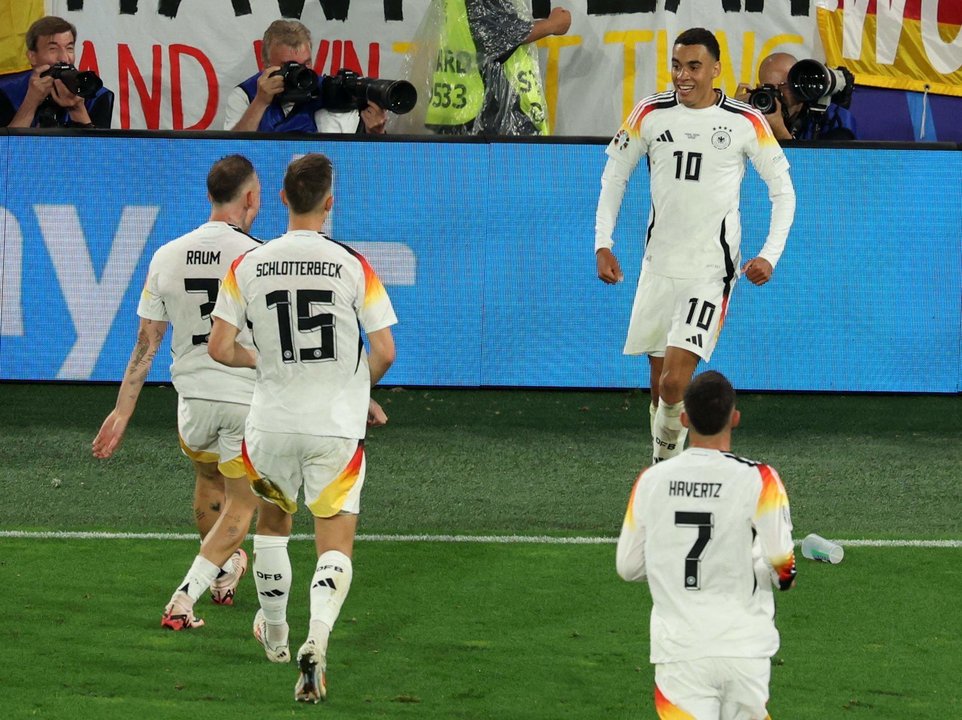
[(287, 97), (802, 100), (54, 93)]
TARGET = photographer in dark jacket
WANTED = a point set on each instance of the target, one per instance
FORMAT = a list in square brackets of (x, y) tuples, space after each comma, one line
[(40, 97), (792, 118), (259, 104)]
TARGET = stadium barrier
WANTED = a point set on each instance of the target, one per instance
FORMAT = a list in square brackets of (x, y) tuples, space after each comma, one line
[(487, 252)]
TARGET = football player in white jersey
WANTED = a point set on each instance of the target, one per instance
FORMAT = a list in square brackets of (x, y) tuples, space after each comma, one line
[(697, 141), (181, 288), (712, 534), (308, 299)]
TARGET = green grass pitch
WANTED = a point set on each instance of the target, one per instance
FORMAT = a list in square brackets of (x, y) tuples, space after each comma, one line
[(475, 630)]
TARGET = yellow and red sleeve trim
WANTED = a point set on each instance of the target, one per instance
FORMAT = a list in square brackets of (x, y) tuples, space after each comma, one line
[(630, 512)]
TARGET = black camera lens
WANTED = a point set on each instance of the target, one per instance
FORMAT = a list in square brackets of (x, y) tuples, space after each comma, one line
[(86, 84), (349, 91), (811, 80), (398, 96), (764, 99), (819, 84)]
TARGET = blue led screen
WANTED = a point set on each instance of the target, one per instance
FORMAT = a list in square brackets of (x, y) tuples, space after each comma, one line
[(487, 253)]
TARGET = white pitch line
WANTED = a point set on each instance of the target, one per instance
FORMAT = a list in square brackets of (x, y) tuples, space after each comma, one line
[(491, 539)]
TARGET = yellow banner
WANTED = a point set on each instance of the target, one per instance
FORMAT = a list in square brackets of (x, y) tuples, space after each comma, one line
[(906, 53), (15, 17)]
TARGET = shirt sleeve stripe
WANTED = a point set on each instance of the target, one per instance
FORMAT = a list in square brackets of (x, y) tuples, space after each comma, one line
[(630, 512), (773, 496)]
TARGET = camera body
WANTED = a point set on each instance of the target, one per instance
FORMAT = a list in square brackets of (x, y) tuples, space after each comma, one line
[(300, 82), (349, 91), (85, 84), (765, 98)]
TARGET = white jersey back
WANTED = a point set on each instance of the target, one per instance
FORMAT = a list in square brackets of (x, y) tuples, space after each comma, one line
[(711, 531), (308, 298), (182, 286), (697, 162)]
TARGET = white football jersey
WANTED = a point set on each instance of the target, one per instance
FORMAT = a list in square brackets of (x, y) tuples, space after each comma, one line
[(710, 532), (182, 286), (696, 160), (308, 298)]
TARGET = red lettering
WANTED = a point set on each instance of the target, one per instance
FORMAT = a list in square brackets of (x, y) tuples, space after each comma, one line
[(127, 69), (88, 58), (321, 58), (343, 54), (176, 96), (336, 56), (374, 60), (259, 55), (351, 59)]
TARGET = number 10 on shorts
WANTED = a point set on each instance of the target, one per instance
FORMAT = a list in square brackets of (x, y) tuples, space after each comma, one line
[(704, 316)]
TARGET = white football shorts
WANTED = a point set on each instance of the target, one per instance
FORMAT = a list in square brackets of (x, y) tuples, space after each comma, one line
[(682, 312), (212, 432), (330, 469), (713, 689)]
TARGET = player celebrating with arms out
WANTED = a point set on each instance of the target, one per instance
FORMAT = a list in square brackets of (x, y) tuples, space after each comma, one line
[(308, 299), (712, 534), (696, 140)]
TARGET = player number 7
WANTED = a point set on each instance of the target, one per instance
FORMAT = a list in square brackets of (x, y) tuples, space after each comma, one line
[(704, 522)]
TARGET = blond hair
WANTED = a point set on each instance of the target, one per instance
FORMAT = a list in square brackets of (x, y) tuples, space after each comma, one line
[(291, 33)]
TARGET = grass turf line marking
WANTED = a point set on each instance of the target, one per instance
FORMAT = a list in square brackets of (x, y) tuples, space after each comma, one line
[(492, 539)]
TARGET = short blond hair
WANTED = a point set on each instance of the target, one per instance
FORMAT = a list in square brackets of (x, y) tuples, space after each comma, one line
[(291, 33)]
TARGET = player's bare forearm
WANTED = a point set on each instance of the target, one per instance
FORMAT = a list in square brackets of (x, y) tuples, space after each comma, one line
[(111, 433), (149, 335), (223, 347), (236, 355), (382, 353)]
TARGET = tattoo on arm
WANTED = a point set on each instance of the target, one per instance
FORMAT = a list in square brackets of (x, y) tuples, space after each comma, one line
[(141, 359)]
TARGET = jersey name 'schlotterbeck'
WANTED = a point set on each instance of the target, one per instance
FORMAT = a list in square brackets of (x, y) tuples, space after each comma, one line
[(308, 298), (182, 286), (697, 162)]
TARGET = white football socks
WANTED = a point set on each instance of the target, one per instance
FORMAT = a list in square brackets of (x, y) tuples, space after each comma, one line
[(668, 434), (227, 567), (329, 588), (201, 574), (272, 576)]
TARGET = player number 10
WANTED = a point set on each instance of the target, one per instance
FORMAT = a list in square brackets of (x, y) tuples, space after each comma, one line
[(704, 317), (690, 162)]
